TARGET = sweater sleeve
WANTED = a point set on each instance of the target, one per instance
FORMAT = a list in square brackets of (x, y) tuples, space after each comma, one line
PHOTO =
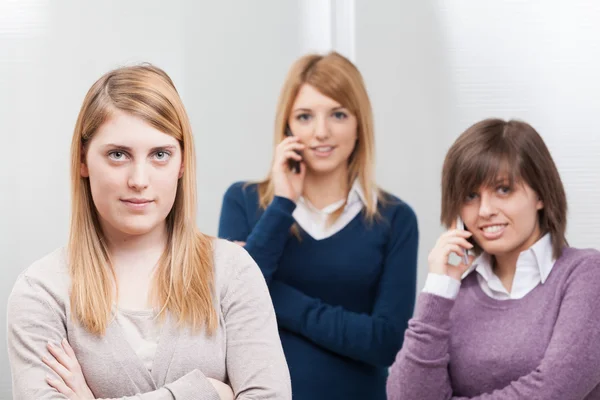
[(266, 241), (32, 322), (256, 364), (569, 370), (373, 338)]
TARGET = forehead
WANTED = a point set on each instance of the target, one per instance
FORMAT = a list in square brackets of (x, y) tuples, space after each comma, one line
[(127, 130), (309, 97)]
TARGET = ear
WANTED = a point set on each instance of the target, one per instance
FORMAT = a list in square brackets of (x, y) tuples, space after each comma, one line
[(83, 170), (181, 170), (539, 205)]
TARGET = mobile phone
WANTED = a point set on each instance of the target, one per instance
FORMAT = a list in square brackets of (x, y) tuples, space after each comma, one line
[(460, 225), (292, 164)]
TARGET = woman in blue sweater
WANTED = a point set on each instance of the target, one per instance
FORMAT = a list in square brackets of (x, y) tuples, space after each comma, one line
[(339, 255)]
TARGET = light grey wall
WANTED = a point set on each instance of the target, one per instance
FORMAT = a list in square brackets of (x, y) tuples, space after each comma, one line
[(435, 67)]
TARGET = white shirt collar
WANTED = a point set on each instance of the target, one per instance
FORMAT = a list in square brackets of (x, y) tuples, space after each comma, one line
[(540, 255), (355, 195)]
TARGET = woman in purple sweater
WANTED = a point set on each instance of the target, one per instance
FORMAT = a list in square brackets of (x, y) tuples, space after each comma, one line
[(519, 319)]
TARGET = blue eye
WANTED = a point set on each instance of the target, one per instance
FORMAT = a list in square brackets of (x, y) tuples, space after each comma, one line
[(116, 155), (162, 155), (504, 189), (471, 197), (340, 115), (303, 117)]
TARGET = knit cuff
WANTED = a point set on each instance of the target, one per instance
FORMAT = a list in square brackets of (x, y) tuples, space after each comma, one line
[(193, 386), (433, 310)]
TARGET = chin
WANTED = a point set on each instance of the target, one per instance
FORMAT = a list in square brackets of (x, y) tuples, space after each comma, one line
[(323, 168), (498, 247), (136, 228)]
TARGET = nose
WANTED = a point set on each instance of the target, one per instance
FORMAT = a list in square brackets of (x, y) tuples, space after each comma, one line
[(321, 128), (486, 205), (138, 177)]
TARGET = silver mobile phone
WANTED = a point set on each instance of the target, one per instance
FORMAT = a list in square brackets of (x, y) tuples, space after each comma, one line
[(460, 225)]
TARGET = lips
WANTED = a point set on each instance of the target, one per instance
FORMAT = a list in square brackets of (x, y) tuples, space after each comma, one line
[(136, 201), (323, 149), (136, 204)]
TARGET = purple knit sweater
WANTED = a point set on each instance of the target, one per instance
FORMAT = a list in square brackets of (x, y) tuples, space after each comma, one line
[(544, 346)]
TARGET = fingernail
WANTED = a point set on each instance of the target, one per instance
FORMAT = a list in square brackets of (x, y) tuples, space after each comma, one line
[(50, 344)]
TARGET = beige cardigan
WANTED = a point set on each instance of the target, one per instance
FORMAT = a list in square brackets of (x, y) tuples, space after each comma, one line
[(245, 351)]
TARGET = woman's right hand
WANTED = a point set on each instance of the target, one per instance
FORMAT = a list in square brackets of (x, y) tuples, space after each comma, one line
[(453, 241), (224, 390), (286, 182)]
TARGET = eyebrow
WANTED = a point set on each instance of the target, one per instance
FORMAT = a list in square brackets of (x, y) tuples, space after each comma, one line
[(309, 110), (129, 149)]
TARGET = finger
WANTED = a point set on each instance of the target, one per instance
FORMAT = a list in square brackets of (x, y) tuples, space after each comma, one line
[(60, 386), (453, 248), (68, 349), (447, 236), (59, 354), (456, 232), (294, 145), (461, 241), (293, 155), (288, 140), (240, 243), (56, 367)]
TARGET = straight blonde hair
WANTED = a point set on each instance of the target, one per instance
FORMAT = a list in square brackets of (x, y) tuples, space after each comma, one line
[(336, 77), (184, 280)]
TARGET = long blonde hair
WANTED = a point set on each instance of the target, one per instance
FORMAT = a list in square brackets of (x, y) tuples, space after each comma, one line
[(337, 78), (184, 280)]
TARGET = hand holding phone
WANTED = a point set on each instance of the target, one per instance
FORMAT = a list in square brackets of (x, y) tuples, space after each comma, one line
[(448, 246)]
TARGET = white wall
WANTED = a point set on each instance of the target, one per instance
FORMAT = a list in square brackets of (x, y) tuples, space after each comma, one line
[(434, 67)]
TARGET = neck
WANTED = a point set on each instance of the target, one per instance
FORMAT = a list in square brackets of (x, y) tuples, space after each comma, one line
[(505, 265), (323, 190), (132, 250)]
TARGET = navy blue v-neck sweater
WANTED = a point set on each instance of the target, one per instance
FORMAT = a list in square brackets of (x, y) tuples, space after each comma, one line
[(342, 303)]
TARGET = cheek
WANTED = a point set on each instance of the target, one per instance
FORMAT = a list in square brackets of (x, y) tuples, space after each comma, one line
[(469, 215), (105, 181), (164, 184), (525, 216), (346, 136)]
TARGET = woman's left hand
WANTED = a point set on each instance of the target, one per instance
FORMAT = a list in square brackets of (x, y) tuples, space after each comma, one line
[(65, 364)]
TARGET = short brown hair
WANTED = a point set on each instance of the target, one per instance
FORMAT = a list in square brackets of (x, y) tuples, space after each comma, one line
[(491, 147)]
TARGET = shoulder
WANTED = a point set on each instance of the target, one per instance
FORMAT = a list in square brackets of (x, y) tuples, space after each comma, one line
[(396, 211), (231, 264), (579, 261), (241, 190), (46, 280), (50, 272), (577, 271)]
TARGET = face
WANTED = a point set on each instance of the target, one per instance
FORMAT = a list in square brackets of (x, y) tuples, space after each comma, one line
[(503, 220), (328, 130), (133, 171)]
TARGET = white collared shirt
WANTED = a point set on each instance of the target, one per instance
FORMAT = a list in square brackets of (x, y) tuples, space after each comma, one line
[(315, 222), (533, 267)]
